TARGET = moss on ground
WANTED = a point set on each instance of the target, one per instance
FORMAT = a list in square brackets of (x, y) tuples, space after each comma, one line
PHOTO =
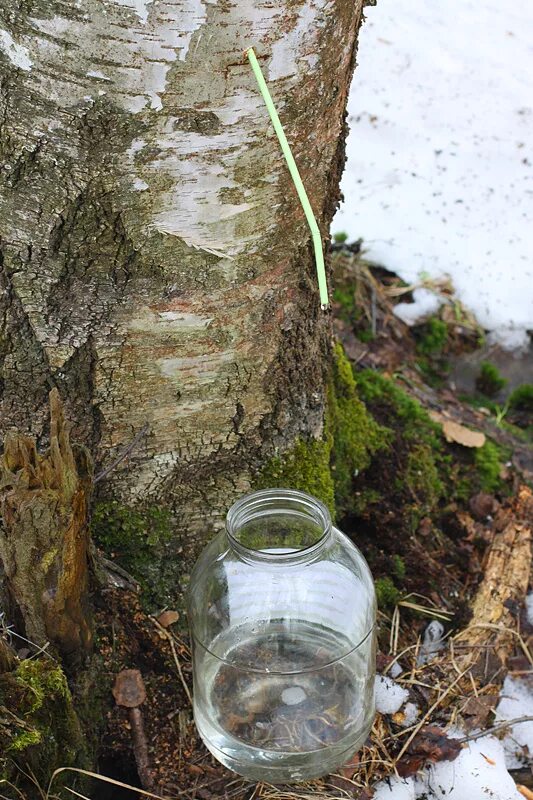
[(387, 593), (422, 478), (432, 337), (488, 462), (41, 731), (522, 398), (489, 381)]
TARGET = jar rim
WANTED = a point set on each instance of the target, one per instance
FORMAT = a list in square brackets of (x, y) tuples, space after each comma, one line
[(270, 502)]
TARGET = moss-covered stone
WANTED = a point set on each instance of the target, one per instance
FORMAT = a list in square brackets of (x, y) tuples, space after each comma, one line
[(137, 540), (41, 731)]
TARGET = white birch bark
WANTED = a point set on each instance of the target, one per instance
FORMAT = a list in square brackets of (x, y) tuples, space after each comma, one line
[(156, 265)]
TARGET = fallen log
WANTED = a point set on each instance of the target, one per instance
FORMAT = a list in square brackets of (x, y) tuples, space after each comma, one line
[(485, 644)]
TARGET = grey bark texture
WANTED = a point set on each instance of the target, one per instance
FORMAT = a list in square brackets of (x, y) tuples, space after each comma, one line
[(155, 263)]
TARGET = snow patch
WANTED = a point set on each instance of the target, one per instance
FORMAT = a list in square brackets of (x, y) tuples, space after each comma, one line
[(517, 701), (411, 713), (395, 789), (439, 170), (529, 608), (510, 338), (389, 695), (425, 303), (471, 776), (17, 53)]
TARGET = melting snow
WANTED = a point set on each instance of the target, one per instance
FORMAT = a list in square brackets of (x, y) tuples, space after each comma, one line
[(438, 179), (390, 696)]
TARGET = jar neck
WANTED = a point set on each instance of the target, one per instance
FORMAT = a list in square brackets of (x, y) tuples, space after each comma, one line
[(278, 526)]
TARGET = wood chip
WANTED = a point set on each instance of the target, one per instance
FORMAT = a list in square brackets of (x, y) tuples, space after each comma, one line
[(453, 432), (168, 618)]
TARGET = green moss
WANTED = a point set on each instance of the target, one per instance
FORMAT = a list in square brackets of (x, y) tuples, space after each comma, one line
[(356, 436), (340, 237), (365, 498), (137, 541), (412, 420), (386, 593), (43, 733), (488, 466), (326, 468), (23, 740), (422, 478), (489, 381), (398, 566), (344, 298), (432, 337), (41, 681), (306, 467), (522, 397)]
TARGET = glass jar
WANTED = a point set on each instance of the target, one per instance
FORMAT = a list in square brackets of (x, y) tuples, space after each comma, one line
[(282, 613)]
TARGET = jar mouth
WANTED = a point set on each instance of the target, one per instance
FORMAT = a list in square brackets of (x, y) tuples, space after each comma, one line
[(278, 524)]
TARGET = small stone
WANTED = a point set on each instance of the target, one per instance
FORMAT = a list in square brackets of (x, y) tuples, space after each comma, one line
[(293, 695)]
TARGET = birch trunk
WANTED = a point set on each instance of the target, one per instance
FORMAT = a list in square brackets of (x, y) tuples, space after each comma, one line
[(156, 266)]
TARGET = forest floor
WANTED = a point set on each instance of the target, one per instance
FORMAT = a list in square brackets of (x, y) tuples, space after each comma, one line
[(425, 514), (443, 514)]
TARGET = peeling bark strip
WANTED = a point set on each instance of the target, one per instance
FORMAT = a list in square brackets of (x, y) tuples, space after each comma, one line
[(156, 265), (44, 538)]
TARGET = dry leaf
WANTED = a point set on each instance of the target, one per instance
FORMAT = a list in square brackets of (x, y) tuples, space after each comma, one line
[(168, 618), (489, 760), (453, 432), (478, 710), (431, 744)]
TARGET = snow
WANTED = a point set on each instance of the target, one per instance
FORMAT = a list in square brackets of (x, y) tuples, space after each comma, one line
[(433, 641), (477, 772), (517, 701), (411, 713), (390, 696), (425, 303), (529, 608), (395, 789), (439, 170)]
